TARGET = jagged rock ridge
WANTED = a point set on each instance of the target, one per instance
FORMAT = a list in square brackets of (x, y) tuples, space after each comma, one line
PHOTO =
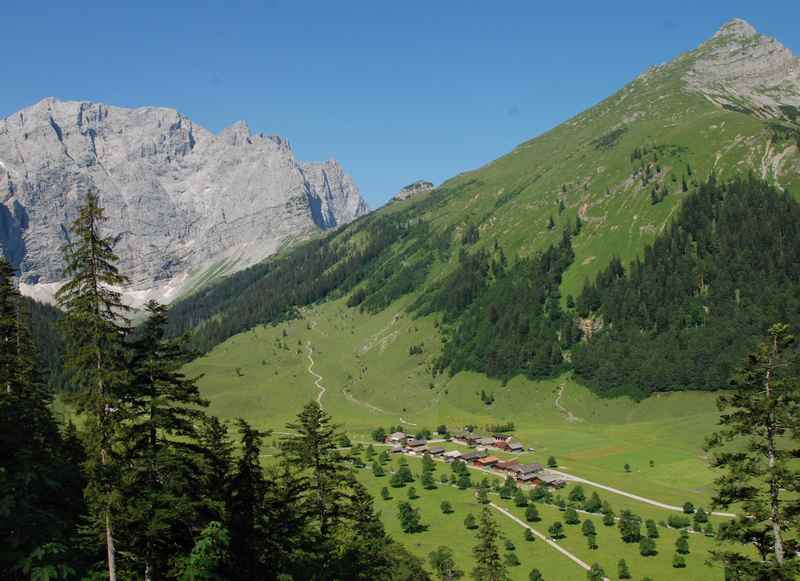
[(187, 204)]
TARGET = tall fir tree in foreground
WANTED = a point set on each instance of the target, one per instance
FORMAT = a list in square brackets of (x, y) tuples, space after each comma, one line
[(96, 323), (40, 485), (757, 450), (164, 507), (489, 564)]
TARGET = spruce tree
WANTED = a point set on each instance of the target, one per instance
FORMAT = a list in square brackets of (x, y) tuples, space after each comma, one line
[(489, 565), (313, 449), (163, 411), (247, 490), (40, 482), (761, 420), (622, 570), (95, 322)]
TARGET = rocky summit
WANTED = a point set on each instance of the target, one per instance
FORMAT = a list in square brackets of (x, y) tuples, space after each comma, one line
[(189, 205)]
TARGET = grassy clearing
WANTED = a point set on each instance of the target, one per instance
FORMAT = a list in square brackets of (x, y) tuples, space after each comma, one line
[(449, 530), (371, 380)]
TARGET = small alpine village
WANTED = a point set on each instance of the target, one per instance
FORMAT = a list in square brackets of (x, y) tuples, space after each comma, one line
[(532, 473)]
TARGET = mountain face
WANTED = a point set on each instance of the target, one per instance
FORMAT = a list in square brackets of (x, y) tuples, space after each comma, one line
[(188, 205), (614, 177)]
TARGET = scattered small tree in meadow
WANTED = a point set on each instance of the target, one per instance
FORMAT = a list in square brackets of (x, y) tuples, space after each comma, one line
[(623, 572), (556, 530), (396, 480), (647, 547), (700, 517), (587, 528), (535, 575), (427, 481), (410, 520), (385, 493), (529, 536), (509, 544), (446, 507), (370, 452), (551, 223), (609, 519), (571, 516), (412, 493), (428, 464), (593, 504), (444, 479), (383, 457), (470, 523), (508, 488), (343, 441), (483, 495), (652, 529), (511, 560), (532, 513), (596, 573), (377, 470), (652, 464), (442, 430), (688, 508), (630, 527), (520, 499), (560, 503), (577, 494), (405, 473), (677, 521), (678, 561), (709, 530), (682, 544), (444, 565), (379, 434), (627, 467), (540, 494), (464, 482), (551, 462)]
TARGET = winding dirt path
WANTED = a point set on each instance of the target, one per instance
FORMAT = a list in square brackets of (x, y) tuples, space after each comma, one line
[(567, 414), (317, 376)]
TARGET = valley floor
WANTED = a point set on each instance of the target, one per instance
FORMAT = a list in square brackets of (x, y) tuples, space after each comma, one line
[(359, 368)]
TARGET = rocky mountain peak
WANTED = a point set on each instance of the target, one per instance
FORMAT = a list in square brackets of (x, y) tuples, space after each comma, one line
[(187, 204), (736, 28), (741, 69)]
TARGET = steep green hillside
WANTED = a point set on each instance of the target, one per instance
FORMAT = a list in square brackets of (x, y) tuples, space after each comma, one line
[(618, 172)]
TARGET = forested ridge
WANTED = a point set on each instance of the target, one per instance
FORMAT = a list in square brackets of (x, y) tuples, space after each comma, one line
[(677, 318), (683, 316)]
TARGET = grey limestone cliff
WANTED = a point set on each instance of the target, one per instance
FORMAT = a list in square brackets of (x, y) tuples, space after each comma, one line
[(186, 204)]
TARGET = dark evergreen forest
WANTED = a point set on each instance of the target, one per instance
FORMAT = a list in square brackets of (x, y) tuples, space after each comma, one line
[(703, 294)]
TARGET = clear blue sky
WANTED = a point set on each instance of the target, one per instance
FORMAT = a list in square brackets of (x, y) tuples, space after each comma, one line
[(396, 91)]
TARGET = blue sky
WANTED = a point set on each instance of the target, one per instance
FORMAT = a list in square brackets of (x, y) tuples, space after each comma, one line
[(396, 91)]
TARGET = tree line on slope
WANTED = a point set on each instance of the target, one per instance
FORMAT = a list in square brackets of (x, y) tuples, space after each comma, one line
[(150, 486), (704, 292)]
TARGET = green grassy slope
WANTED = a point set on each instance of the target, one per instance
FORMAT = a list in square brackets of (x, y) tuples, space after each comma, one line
[(371, 380)]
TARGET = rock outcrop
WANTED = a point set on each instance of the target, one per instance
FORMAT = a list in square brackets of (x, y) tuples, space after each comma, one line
[(187, 204), (411, 190), (743, 70)]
